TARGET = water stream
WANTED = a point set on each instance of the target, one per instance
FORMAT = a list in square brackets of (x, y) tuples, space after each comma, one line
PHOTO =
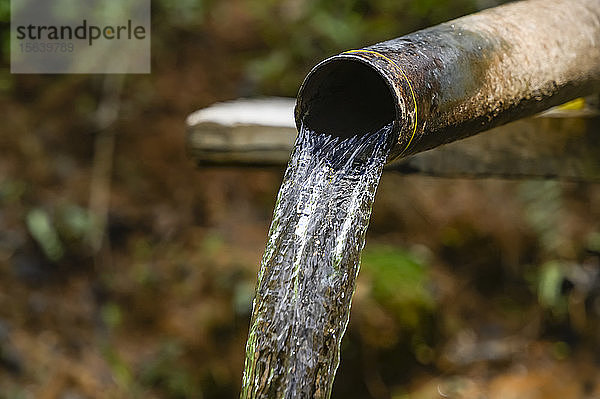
[(308, 272)]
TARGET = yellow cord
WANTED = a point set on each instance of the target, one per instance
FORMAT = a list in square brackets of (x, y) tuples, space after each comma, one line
[(409, 86)]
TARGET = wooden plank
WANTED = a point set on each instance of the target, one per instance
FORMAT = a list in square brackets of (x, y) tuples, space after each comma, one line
[(561, 143), (247, 132)]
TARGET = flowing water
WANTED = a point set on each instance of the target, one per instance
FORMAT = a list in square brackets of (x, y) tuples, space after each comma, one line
[(309, 269)]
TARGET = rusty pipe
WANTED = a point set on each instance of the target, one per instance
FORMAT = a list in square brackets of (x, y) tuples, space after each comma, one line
[(458, 78)]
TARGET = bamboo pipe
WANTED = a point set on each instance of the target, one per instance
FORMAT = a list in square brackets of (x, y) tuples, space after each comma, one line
[(458, 78)]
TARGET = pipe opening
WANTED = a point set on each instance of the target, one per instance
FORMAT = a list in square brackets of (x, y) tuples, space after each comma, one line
[(344, 98)]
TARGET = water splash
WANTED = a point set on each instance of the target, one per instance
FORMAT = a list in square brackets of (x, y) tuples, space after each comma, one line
[(309, 269)]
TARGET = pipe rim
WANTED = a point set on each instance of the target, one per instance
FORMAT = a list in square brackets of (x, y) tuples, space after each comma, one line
[(300, 107)]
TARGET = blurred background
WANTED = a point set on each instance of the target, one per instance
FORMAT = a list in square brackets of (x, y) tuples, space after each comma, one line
[(126, 271)]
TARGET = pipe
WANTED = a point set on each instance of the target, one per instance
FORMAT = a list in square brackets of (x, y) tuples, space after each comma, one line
[(458, 78)]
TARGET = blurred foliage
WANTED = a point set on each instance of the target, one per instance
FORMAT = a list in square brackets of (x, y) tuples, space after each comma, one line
[(166, 373), (543, 205), (566, 278), (295, 34), (121, 371), (111, 315), (399, 307), (12, 191), (45, 234), (5, 77), (399, 283), (65, 229), (4, 11), (299, 33), (185, 13), (549, 287)]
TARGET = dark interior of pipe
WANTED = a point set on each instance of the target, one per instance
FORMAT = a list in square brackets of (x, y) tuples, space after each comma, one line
[(344, 98)]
